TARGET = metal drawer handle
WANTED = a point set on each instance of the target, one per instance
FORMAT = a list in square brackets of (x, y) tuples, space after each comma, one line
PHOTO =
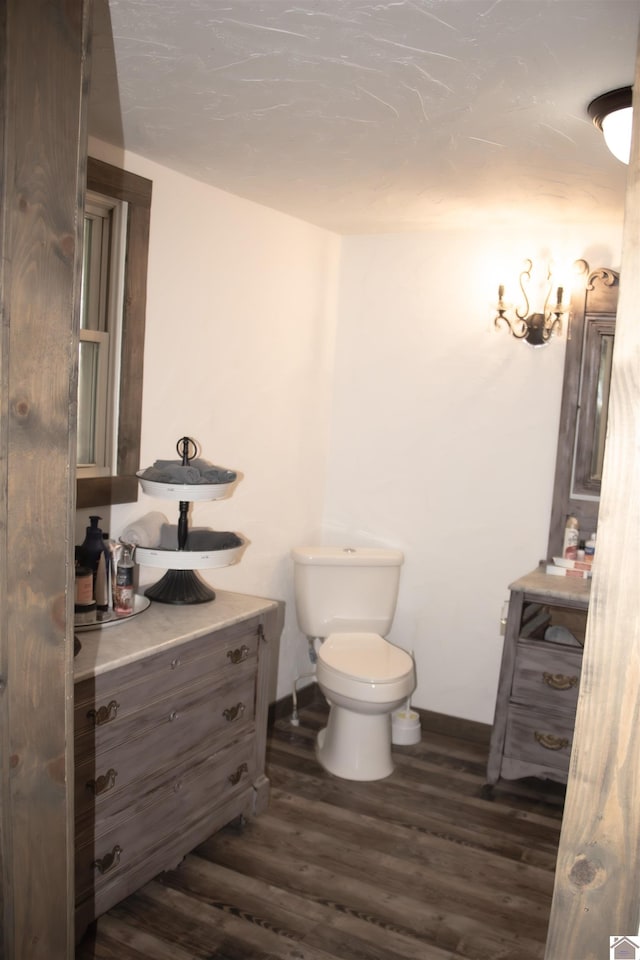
[(103, 783), (104, 714), (234, 778), (175, 663), (173, 716), (550, 742), (559, 681), (237, 656), (109, 861), (233, 713)]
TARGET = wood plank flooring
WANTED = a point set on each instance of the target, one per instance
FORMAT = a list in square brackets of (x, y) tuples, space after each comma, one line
[(419, 866)]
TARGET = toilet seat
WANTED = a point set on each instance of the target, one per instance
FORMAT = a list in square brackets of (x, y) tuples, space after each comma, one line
[(364, 658)]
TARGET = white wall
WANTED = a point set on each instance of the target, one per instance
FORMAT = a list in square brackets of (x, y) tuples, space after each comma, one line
[(444, 437), (238, 354), (442, 430)]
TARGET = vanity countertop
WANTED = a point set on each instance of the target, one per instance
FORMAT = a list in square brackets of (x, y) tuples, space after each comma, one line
[(160, 627), (546, 586)]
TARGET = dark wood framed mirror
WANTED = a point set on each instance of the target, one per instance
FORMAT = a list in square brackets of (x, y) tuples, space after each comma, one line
[(585, 398)]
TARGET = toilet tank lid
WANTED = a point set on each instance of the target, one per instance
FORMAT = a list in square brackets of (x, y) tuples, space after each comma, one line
[(349, 556)]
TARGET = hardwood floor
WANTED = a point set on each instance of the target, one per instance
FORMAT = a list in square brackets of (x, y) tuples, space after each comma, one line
[(415, 867)]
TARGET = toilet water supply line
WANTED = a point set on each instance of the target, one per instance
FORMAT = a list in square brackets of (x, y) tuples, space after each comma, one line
[(313, 656)]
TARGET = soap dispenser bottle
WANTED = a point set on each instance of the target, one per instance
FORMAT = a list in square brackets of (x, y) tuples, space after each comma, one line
[(92, 547)]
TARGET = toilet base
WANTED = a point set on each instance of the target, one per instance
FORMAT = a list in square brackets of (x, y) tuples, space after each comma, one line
[(356, 746)]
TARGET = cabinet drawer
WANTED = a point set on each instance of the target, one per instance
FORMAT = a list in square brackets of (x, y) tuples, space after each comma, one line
[(538, 737), (177, 727), (547, 674), (151, 820), (103, 703)]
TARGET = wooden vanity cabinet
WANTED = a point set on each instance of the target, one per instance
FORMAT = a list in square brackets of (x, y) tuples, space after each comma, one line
[(169, 748), (539, 678)]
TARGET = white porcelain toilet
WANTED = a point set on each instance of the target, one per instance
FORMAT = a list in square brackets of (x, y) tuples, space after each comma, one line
[(347, 598)]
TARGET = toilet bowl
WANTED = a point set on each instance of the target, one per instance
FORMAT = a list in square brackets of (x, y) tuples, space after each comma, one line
[(364, 679)]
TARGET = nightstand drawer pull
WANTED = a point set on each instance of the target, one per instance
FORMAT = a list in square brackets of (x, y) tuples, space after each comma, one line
[(103, 783), (109, 861), (173, 716), (234, 778), (234, 713), (559, 681), (104, 714), (175, 663), (237, 656), (549, 742)]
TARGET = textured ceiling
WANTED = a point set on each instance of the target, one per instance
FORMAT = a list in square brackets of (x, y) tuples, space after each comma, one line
[(365, 116)]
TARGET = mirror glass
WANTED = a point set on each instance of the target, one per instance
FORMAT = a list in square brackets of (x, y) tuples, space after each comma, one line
[(593, 407), (602, 405)]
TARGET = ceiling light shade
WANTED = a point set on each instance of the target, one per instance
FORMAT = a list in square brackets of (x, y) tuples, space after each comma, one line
[(612, 113)]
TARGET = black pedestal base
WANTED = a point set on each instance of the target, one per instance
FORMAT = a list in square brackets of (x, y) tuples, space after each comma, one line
[(180, 586)]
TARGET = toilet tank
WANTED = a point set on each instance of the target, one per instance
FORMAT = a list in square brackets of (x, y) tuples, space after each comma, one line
[(346, 589)]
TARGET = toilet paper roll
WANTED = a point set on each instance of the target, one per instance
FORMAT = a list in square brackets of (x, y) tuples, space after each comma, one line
[(145, 532)]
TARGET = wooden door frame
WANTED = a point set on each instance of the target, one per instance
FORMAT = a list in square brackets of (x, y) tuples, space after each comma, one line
[(597, 884), (44, 61)]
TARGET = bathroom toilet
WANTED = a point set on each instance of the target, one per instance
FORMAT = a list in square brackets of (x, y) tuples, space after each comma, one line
[(346, 597)]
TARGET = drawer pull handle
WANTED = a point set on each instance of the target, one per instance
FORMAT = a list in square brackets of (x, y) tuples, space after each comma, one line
[(103, 783), (550, 742), (173, 716), (234, 778), (558, 681), (104, 714), (233, 713), (175, 663), (237, 656), (109, 861)]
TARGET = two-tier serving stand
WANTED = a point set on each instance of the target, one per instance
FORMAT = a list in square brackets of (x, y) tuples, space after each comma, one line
[(182, 583)]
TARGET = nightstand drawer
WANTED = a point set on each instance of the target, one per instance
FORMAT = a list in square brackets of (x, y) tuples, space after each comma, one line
[(547, 674), (538, 737)]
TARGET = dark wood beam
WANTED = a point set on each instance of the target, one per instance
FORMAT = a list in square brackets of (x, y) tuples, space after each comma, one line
[(43, 66)]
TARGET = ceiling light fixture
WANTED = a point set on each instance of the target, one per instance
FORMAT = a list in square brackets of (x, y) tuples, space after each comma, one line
[(612, 113)]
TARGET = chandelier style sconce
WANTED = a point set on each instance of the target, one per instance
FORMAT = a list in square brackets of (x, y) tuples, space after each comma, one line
[(536, 328), (612, 113)]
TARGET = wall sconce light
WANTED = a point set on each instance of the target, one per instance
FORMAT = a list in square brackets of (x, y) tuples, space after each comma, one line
[(612, 113), (536, 328)]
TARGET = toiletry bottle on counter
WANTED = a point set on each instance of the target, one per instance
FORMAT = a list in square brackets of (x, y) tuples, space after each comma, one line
[(92, 547), (571, 538), (123, 593), (590, 547)]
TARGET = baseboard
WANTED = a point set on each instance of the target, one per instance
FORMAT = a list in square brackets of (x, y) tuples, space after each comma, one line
[(429, 720), (305, 698), (457, 727)]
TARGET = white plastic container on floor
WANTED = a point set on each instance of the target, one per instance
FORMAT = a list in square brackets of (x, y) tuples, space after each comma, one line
[(405, 727)]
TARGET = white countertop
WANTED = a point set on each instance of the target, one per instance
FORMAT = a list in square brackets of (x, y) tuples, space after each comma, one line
[(160, 627)]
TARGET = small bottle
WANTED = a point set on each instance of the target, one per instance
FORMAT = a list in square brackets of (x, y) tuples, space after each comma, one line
[(590, 548), (84, 606), (102, 588), (123, 593), (571, 538)]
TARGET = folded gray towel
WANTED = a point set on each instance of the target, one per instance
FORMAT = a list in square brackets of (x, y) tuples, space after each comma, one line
[(200, 539), (212, 540), (172, 473), (198, 471)]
